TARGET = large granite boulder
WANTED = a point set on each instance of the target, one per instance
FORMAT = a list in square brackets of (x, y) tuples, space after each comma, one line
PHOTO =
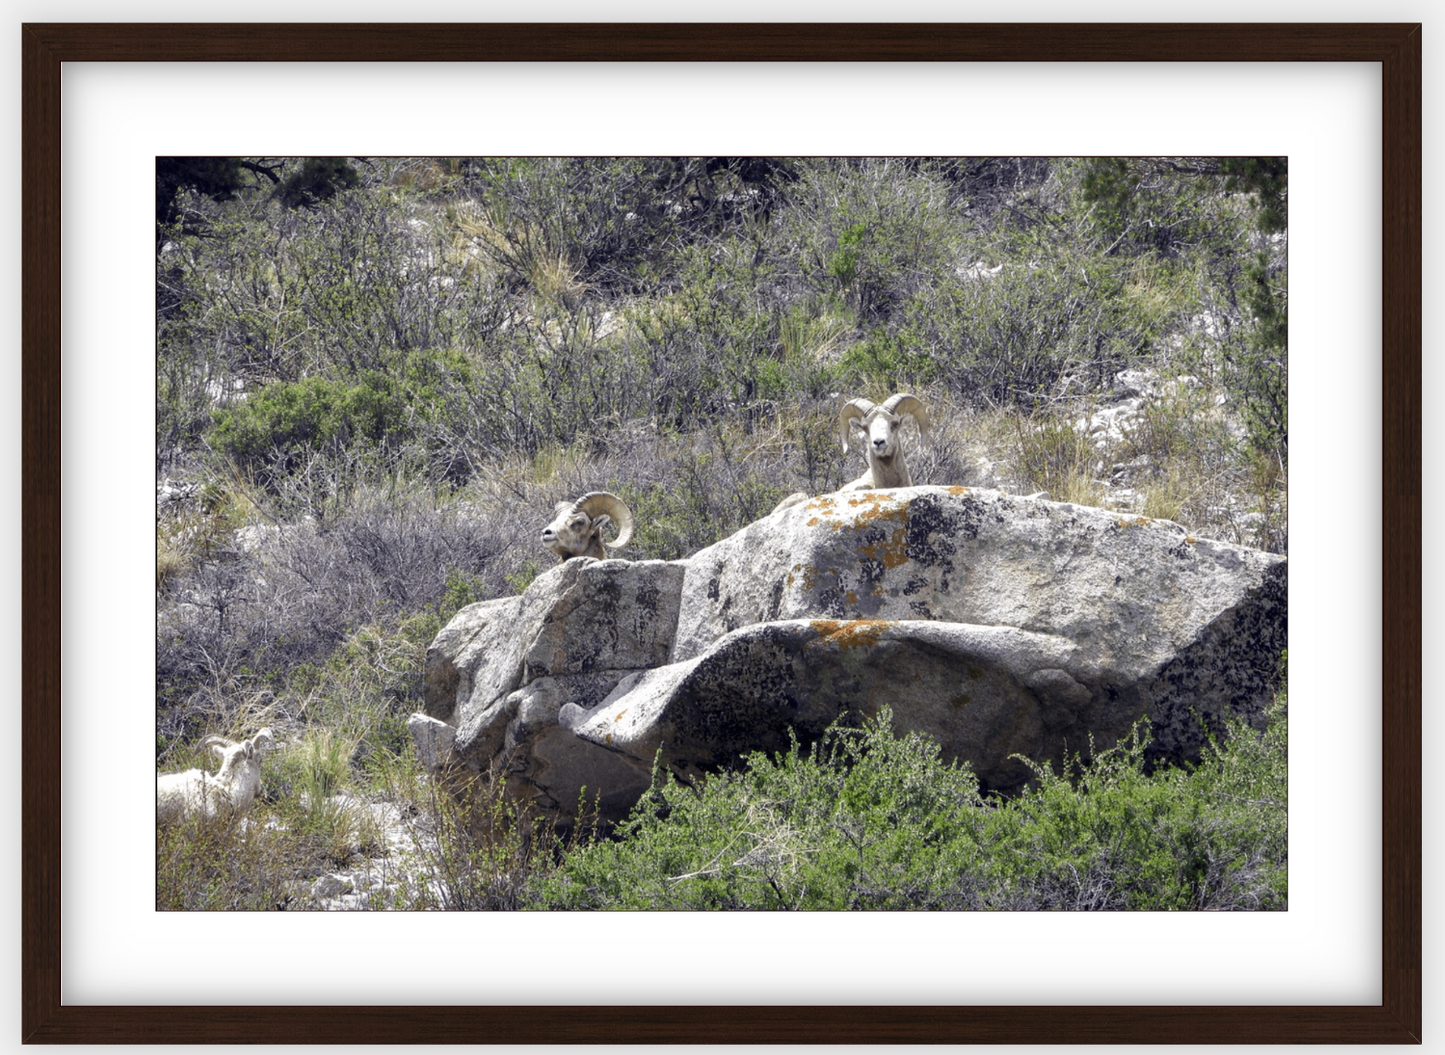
[(999, 625), (998, 690), (1165, 624), (501, 670)]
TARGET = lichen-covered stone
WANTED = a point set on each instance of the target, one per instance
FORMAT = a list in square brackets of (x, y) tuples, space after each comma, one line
[(998, 625), (1168, 625), (501, 670), (967, 686), (612, 615), (584, 616), (476, 646), (968, 556)]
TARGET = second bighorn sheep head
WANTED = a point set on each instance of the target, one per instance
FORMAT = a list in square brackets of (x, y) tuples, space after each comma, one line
[(576, 530), (882, 424)]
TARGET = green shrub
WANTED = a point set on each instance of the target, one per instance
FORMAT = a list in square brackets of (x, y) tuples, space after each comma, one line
[(273, 432), (863, 820), (870, 820), (461, 590), (1108, 836), (1008, 339), (217, 864), (869, 232), (1257, 371)]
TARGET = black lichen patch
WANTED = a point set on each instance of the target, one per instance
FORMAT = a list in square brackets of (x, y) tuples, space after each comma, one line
[(1183, 550), (832, 601), (648, 595), (775, 604), (917, 584), (870, 571), (744, 699), (1233, 669), (936, 527)]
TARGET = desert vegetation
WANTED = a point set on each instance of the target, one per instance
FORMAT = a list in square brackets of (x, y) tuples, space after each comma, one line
[(376, 379)]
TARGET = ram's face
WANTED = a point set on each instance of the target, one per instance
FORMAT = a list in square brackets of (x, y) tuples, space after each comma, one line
[(572, 531), (882, 428)]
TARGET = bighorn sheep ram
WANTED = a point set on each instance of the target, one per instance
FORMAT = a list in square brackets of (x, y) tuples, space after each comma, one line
[(883, 426), (577, 529), (232, 789)]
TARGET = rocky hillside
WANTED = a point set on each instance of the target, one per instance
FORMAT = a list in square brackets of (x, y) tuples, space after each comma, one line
[(376, 378)]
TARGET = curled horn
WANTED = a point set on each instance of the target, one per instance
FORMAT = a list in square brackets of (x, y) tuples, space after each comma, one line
[(596, 503), (216, 743), (903, 403), (854, 408)]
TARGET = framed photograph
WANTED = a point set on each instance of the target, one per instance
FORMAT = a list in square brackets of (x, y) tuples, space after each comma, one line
[(101, 966)]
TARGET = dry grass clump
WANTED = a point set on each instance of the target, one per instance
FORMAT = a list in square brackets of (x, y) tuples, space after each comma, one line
[(1180, 458), (1052, 456), (449, 841), (190, 530), (521, 251)]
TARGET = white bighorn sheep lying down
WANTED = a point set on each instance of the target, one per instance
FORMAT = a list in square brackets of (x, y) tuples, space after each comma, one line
[(232, 789), (577, 529), (883, 426)]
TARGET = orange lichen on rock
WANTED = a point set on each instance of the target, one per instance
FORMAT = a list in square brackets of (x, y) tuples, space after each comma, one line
[(824, 507), (893, 550), (891, 553), (875, 506), (807, 574), (957, 489), (853, 633)]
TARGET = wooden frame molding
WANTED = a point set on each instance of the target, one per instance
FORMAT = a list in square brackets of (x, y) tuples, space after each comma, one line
[(1396, 47)]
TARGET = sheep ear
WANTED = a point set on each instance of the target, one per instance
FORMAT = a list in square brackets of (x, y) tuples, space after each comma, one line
[(853, 413), (601, 522), (219, 749)]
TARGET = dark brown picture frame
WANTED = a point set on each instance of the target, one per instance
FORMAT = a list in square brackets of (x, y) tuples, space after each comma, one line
[(1395, 46)]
